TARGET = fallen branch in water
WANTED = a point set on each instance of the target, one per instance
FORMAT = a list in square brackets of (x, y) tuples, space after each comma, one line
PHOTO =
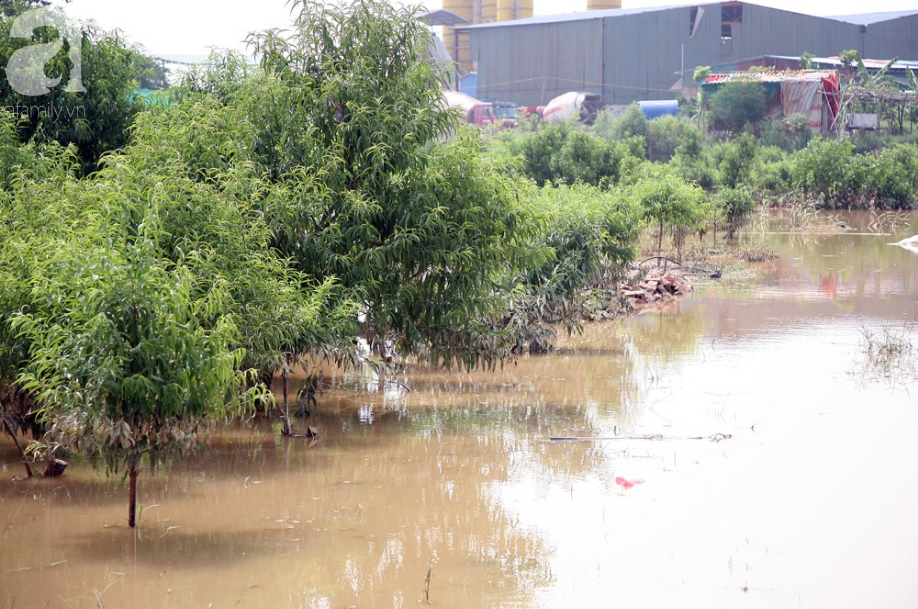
[(715, 438)]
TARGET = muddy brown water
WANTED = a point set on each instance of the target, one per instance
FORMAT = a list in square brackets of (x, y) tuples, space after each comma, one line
[(809, 503)]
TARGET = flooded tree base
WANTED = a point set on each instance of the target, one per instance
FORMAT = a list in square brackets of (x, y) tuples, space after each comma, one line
[(453, 491)]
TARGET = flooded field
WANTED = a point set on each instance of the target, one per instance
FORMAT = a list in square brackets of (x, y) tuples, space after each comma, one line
[(740, 454)]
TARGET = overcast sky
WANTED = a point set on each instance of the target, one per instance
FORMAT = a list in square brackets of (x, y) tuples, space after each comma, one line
[(190, 27)]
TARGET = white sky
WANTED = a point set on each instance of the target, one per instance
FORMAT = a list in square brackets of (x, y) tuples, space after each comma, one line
[(190, 27)]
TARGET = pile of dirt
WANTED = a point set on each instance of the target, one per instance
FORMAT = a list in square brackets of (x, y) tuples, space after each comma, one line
[(656, 287)]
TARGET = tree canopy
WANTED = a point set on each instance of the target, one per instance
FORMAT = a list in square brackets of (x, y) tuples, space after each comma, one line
[(738, 104), (96, 120)]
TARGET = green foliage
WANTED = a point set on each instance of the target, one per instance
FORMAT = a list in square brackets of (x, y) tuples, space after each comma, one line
[(631, 123), (830, 169), (11, 8), (737, 158), (119, 358), (151, 73), (342, 132), (701, 73), (664, 135), (790, 134), (586, 228), (771, 173), (134, 304), (667, 199), (96, 121), (693, 161), (564, 154), (738, 104), (591, 234), (890, 179), (735, 205), (825, 168), (849, 57), (222, 77)]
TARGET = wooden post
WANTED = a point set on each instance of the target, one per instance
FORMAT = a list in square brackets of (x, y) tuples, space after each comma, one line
[(132, 508), (286, 430)]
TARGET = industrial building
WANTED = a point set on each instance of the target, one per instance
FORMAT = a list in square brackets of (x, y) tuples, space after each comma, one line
[(627, 55)]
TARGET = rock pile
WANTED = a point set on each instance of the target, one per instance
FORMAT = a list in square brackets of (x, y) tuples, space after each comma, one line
[(656, 287)]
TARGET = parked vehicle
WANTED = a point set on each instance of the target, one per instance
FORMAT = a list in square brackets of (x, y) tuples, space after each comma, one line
[(563, 108), (473, 111)]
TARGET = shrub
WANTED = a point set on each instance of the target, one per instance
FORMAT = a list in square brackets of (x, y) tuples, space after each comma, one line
[(824, 168), (889, 179), (772, 171), (693, 161), (666, 198), (664, 135), (632, 122), (565, 154), (738, 104), (590, 233), (737, 160), (790, 134), (735, 205)]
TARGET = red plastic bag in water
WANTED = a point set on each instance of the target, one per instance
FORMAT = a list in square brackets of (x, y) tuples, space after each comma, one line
[(626, 484)]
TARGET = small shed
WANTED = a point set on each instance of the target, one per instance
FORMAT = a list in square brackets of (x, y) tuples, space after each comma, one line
[(814, 93)]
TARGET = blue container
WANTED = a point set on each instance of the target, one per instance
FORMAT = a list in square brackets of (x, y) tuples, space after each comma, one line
[(657, 108)]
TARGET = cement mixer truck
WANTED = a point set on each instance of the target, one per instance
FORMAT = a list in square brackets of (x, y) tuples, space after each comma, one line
[(583, 106), (471, 111)]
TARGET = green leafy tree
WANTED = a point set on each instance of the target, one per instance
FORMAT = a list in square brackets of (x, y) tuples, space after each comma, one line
[(95, 121), (693, 161), (135, 304), (735, 205), (701, 73), (631, 123), (120, 360), (738, 104), (564, 154), (347, 128), (669, 200), (591, 233), (25, 172), (737, 160), (664, 135), (824, 168), (222, 76), (850, 58), (151, 73), (12, 8)]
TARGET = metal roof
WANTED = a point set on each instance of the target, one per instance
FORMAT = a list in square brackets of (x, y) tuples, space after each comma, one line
[(870, 64), (871, 18), (581, 16), (858, 19), (441, 17), (770, 76)]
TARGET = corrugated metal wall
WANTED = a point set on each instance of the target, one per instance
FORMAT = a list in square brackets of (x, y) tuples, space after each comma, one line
[(888, 39), (532, 64), (766, 31), (638, 56)]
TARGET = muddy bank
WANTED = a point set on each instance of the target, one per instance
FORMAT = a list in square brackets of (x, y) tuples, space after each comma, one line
[(655, 287)]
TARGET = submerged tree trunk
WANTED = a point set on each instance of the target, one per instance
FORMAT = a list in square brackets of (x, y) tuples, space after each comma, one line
[(132, 509), (12, 432), (286, 430)]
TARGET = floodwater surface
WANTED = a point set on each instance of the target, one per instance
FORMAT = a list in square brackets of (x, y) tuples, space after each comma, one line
[(740, 453)]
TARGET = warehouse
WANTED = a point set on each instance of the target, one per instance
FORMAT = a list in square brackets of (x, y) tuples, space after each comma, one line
[(627, 55)]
